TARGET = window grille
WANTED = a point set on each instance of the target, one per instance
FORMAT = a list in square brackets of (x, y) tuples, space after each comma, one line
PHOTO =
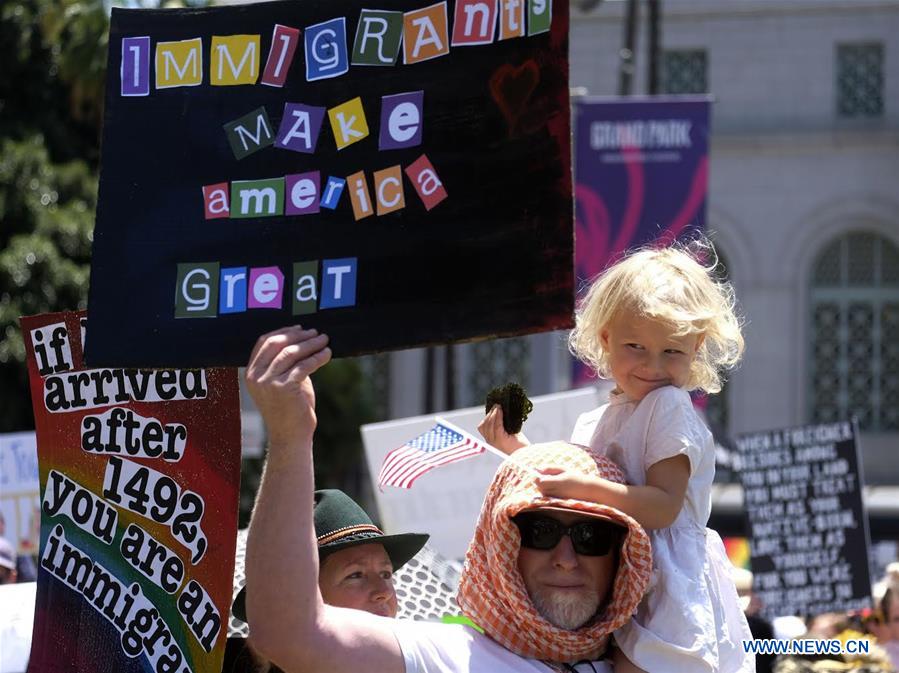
[(684, 71), (860, 80), (854, 313), (376, 376), (495, 363)]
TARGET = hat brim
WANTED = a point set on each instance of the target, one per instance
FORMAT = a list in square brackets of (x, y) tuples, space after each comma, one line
[(400, 548)]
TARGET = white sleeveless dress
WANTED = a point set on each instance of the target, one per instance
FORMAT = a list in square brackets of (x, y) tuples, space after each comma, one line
[(690, 619)]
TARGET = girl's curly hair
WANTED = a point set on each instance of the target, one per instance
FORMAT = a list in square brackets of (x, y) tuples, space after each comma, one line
[(675, 285)]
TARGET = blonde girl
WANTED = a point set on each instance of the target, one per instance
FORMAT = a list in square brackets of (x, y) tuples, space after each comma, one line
[(659, 324)]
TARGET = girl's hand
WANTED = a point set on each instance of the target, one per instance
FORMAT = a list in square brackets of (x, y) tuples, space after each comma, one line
[(491, 429), (558, 483)]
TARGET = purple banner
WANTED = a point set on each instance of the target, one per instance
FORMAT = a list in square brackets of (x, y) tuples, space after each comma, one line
[(641, 174)]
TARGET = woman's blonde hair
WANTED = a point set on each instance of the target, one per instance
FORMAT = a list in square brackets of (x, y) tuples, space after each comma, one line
[(675, 285)]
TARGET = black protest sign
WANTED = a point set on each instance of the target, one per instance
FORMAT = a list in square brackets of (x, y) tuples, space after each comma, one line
[(808, 528), (394, 176)]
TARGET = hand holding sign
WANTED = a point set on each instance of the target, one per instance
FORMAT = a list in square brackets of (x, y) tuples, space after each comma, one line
[(278, 379)]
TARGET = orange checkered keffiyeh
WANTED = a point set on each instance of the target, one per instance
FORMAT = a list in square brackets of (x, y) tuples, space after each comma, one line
[(492, 593)]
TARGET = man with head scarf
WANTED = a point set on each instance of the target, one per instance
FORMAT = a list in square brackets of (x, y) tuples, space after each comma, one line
[(547, 579)]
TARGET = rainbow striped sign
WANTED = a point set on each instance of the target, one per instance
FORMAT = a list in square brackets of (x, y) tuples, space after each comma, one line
[(139, 477)]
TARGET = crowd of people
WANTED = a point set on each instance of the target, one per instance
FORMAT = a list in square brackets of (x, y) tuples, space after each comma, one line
[(589, 555), (560, 559), (14, 567), (878, 625)]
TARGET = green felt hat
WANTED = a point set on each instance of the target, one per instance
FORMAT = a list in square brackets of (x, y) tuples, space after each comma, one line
[(341, 523)]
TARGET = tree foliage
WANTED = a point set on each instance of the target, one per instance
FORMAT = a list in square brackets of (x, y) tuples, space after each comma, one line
[(51, 100), (52, 75)]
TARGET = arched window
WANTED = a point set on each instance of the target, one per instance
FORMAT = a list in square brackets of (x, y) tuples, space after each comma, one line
[(854, 358)]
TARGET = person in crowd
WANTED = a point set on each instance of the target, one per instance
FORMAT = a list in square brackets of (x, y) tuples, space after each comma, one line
[(356, 559), (356, 565), (660, 324), (760, 627), (826, 625), (8, 572), (547, 579), (829, 627), (887, 606)]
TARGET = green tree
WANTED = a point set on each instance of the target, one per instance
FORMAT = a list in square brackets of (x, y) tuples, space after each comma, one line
[(45, 267), (51, 99)]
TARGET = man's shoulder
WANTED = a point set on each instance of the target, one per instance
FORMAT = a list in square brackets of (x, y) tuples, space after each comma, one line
[(454, 648)]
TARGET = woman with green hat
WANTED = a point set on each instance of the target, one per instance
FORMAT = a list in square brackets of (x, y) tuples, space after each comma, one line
[(356, 559)]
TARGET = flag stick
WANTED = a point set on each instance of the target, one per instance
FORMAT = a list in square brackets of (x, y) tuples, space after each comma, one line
[(504, 456)]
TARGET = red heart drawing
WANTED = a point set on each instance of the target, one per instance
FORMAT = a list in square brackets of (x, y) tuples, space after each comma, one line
[(511, 87)]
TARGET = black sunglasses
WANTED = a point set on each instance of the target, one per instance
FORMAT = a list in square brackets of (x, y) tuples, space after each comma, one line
[(589, 538)]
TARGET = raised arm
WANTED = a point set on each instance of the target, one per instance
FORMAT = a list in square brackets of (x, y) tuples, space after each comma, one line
[(291, 626), (655, 505)]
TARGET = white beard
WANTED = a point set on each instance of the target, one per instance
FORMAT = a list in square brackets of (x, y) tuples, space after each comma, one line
[(565, 609)]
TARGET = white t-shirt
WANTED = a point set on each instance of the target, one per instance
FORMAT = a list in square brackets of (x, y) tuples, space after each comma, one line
[(432, 647)]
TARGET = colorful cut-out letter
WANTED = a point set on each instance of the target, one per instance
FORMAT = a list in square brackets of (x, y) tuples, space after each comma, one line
[(266, 287), (179, 63), (325, 46), (540, 16), (474, 22), (378, 37), (427, 184), (300, 127), (280, 55), (301, 193), (332, 192), (215, 201), (511, 19), (233, 290), (359, 196), (425, 34), (257, 198), (197, 290), (389, 190), (250, 133), (401, 120), (234, 60), (348, 123), (305, 287), (338, 282), (135, 69)]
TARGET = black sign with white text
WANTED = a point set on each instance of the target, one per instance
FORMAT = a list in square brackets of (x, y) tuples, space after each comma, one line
[(394, 176), (808, 527)]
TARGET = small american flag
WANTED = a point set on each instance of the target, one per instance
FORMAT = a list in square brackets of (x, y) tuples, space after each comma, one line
[(441, 445)]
